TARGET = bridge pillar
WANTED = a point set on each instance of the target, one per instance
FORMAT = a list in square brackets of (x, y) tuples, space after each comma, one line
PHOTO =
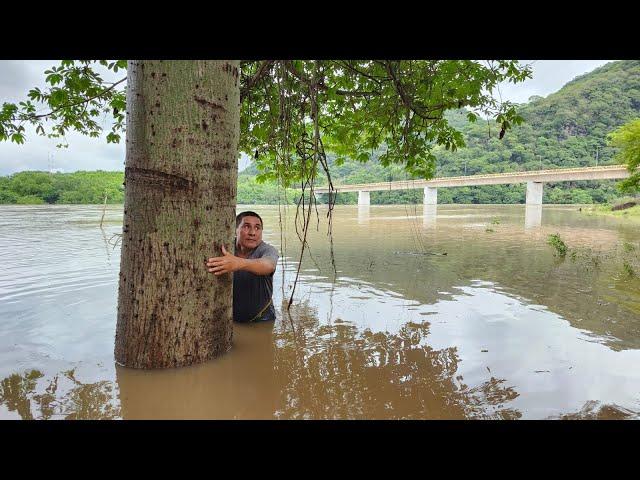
[(430, 196), (363, 198), (534, 193)]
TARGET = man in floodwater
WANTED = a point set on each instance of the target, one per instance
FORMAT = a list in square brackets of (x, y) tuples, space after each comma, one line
[(253, 266)]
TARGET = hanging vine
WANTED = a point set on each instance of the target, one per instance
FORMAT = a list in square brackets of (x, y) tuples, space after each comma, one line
[(294, 111)]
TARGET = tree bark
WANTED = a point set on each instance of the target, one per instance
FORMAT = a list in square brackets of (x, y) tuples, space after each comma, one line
[(183, 125)]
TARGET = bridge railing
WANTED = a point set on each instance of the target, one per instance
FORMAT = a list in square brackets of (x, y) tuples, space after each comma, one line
[(599, 173)]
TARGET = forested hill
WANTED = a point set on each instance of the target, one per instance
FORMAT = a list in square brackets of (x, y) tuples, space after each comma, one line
[(567, 128), (563, 130), (35, 188)]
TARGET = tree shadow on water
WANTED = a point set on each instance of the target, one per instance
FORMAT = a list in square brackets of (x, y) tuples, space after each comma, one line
[(34, 397), (336, 371), (332, 370), (596, 410)]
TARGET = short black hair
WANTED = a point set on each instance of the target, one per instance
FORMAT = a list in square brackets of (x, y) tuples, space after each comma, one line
[(241, 215)]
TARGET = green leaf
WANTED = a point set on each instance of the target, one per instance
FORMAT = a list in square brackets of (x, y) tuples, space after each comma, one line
[(113, 137)]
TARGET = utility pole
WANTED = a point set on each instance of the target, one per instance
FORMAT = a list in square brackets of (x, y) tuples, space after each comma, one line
[(597, 155)]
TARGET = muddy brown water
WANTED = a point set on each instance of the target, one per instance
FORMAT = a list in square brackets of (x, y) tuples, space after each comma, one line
[(499, 327)]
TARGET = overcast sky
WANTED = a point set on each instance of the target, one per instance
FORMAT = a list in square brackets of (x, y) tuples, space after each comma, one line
[(18, 77)]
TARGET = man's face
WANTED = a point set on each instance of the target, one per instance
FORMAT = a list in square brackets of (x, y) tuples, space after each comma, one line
[(249, 232)]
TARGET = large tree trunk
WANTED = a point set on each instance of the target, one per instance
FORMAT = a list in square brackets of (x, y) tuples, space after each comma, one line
[(183, 124)]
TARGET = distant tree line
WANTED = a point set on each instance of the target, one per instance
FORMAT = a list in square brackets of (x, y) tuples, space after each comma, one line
[(34, 188), (39, 188)]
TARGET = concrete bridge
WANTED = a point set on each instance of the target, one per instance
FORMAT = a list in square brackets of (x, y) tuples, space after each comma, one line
[(534, 180)]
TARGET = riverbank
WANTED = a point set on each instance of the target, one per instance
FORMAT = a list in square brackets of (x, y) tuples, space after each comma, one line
[(606, 209)]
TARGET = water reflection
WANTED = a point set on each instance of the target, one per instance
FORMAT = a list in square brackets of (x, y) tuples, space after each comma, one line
[(238, 385), (594, 410), (313, 370), (429, 216), (308, 370), (532, 216), (364, 212), (336, 371), (33, 396), (424, 320), (465, 357)]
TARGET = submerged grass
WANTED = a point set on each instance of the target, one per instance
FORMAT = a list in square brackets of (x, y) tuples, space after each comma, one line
[(556, 242), (628, 269), (494, 221), (623, 257)]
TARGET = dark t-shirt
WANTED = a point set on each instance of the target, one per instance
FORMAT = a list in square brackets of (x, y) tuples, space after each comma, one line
[(252, 292)]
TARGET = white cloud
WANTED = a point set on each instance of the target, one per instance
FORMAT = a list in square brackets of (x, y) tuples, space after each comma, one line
[(549, 76), (84, 153)]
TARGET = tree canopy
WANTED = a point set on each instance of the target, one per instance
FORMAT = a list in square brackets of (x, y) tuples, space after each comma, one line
[(62, 188), (76, 97), (627, 139), (295, 110), (352, 108)]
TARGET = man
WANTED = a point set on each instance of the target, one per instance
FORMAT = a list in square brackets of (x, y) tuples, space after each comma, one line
[(253, 266)]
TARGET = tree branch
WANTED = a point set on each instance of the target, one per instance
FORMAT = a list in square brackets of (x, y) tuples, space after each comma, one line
[(262, 71), (86, 100), (359, 72), (323, 87), (407, 102)]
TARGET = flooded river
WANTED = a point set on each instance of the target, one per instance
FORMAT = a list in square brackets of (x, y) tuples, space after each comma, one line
[(459, 312)]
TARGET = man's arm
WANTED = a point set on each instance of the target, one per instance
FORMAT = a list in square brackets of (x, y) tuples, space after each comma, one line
[(230, 263)]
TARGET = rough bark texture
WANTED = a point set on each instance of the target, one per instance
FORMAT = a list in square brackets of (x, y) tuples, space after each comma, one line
[(183, 121)]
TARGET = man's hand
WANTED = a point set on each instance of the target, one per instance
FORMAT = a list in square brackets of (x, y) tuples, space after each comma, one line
[(225, 264)]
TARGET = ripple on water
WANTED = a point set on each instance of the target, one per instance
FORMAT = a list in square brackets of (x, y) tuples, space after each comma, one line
[(497, 329)]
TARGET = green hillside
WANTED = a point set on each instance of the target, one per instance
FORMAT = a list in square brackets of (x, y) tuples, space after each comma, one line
[(566, 129), (38, 188), (34, 187)]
